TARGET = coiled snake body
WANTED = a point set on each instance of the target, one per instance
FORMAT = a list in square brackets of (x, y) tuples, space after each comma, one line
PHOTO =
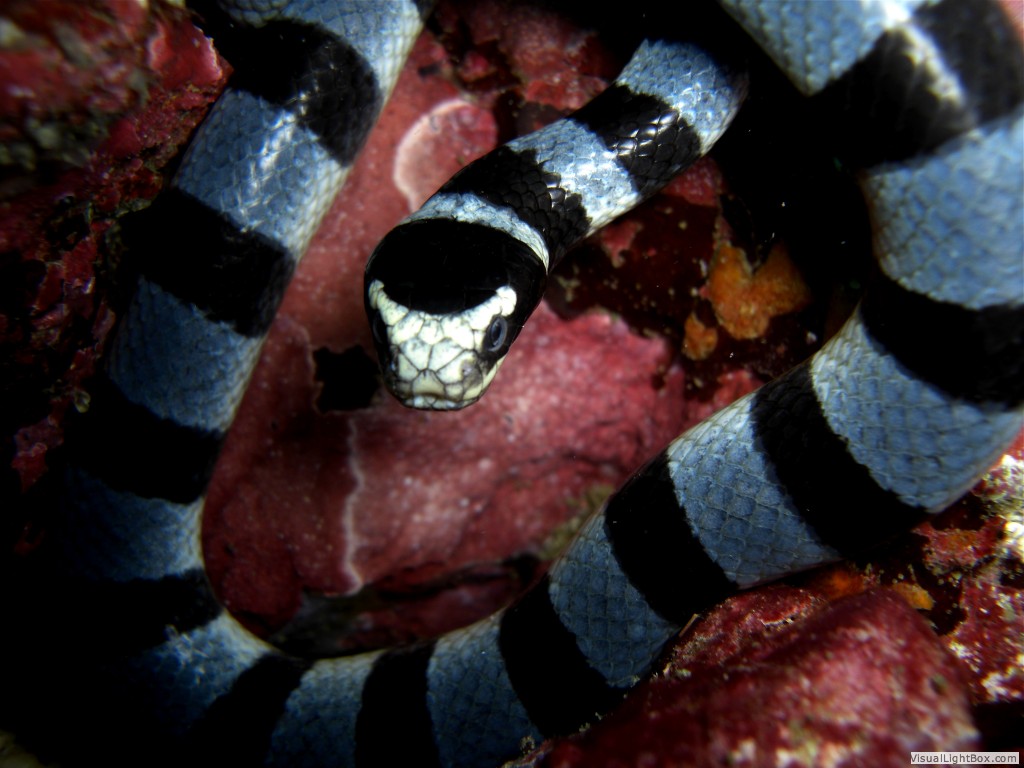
[(775, 483)]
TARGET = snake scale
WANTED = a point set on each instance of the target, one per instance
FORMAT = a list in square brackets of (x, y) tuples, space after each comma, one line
[(863, 439)]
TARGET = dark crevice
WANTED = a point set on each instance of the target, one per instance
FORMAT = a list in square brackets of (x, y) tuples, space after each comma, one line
[(348, 379)]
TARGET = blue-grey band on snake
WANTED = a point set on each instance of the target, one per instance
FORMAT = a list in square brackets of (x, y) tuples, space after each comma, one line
[(875, 424)]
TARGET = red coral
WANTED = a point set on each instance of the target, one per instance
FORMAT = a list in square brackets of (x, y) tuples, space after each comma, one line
[(94, 106), (777, 678)]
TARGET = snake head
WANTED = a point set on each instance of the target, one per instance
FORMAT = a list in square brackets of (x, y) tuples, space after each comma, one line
[(445, 301)]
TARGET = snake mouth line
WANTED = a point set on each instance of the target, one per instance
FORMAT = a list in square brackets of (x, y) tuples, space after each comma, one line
[(428, 391), (420, 395), (432, 402)]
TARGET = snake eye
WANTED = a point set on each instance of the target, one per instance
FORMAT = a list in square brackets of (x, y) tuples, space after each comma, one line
[(496, 333)]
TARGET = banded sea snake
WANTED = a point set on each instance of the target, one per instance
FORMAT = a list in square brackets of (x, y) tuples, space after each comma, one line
[(877, 410)]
